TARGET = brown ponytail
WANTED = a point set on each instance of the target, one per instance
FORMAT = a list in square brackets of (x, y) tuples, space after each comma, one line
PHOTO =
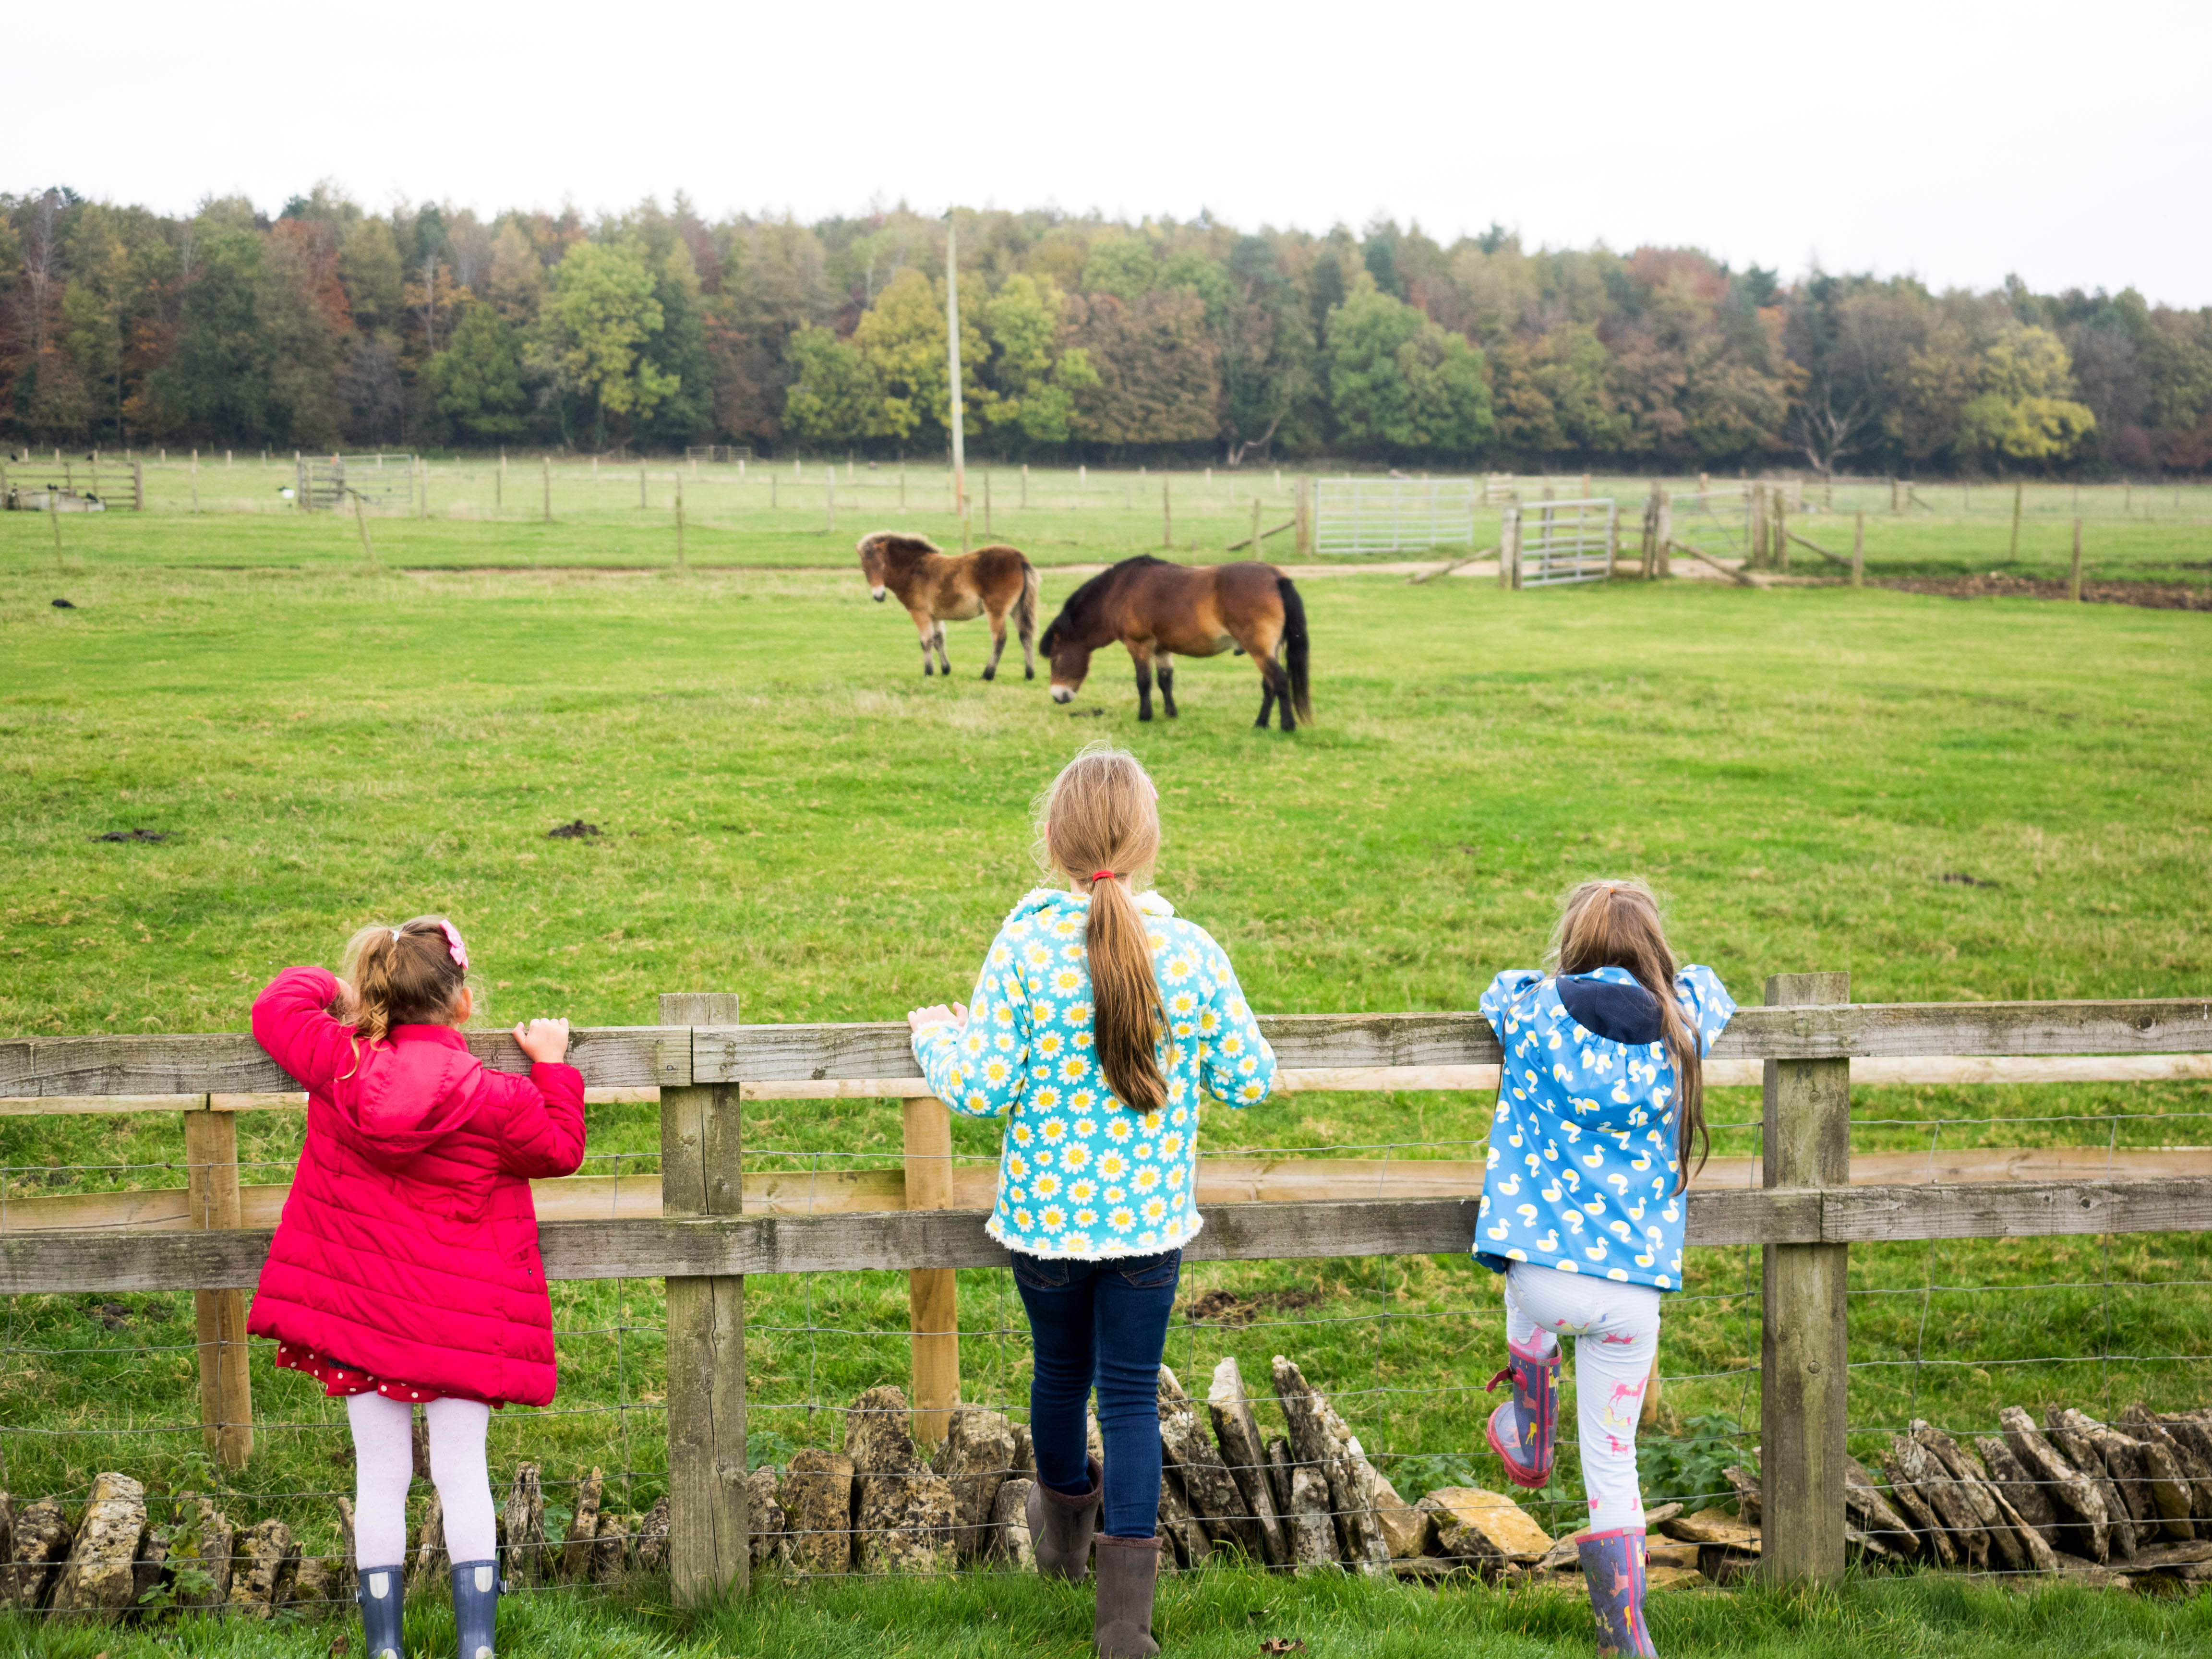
[(1616, 924), (1103, 832), (403, 975)]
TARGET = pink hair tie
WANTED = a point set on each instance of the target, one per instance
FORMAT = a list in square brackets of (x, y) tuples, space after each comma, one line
[(454, 948)]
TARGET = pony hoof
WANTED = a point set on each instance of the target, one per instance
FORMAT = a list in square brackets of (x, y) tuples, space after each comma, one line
[(1144, 714), (1029, 673), (990, 673)]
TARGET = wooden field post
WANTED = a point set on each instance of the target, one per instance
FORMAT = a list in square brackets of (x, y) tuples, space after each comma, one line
[(2019, 489), (226, 1388), (1508, 546), (2074, 574), (1025, 486), (1780, 538), (932, 1293), (1755, 553), (1304, 513), (1858, 550), (1255, 525), (1803, 1337), (640, 489), (1666, 566), (137, 486), (702, 1174)]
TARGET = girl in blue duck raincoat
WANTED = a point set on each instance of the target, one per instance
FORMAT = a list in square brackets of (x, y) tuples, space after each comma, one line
[(1097, 1020), (1582, 1203)]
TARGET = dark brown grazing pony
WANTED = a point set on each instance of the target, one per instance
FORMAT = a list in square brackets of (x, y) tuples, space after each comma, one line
[(937, 588), (1158, 609)]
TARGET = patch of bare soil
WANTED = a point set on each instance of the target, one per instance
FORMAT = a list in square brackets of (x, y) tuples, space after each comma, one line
[(1227, 1308), (2151, 596)]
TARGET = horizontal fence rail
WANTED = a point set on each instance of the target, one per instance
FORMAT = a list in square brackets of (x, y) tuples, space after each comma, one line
[(681, 1056), (67, 1261)]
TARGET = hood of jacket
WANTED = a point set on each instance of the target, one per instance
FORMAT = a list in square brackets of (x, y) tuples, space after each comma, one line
[(1039, 900), (409, 1090)]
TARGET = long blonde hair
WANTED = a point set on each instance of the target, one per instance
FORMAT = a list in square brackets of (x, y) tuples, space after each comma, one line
[(403, 975), (1102, 820), (1616, 924)]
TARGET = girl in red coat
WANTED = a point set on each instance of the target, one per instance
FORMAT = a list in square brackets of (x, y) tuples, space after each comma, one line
[(405, 1267)]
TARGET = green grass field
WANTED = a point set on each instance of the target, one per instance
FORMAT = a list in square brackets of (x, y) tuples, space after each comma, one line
[(788, 811)]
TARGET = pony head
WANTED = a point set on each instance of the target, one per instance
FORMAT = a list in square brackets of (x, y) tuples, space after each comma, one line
[(882, 552)]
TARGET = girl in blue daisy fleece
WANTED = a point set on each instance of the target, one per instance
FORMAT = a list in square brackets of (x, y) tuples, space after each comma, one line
[(1098, 1018), (1598, 1101)]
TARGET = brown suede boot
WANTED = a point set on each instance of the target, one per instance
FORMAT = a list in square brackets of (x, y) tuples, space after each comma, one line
[(1061, 1527), (1127, 1568)]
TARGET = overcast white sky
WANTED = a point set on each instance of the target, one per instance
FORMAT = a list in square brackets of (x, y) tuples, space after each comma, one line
[(2067, 143)]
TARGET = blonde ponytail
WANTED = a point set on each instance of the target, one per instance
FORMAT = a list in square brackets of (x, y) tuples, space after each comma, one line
[(1101, 830), (403, 975)]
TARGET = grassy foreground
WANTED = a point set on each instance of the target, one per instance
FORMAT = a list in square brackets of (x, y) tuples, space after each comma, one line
[(785, 809), (1229, 1614)]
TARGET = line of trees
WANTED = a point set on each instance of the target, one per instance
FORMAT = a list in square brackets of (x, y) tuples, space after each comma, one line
[(428, 327)]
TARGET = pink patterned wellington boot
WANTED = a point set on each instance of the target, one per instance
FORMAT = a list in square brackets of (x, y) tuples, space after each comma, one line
[(1612, 1569), (1523, 1431)]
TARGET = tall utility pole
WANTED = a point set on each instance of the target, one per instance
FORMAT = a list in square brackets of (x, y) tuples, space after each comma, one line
[(952, 354)]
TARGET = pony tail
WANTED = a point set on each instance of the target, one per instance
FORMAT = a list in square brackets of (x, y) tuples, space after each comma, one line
[(403, 975), (1129, 1015), (367, 975)]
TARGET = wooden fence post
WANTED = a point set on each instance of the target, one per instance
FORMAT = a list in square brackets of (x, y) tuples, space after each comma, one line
[(1666, 565), (2074, 576), (1858, 550), (1508, 546), (1305, 515), (933, 1294), (2019, 488), (1803, 1338), (226, 1388), (701, 1173)]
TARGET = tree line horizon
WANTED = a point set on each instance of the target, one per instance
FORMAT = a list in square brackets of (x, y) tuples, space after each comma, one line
[(1082, 339)]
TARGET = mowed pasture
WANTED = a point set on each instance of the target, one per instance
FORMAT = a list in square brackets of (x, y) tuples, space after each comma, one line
[(1988, 800)]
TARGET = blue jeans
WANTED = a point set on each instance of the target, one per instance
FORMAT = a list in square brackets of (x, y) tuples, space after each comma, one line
[(1105, 1321)]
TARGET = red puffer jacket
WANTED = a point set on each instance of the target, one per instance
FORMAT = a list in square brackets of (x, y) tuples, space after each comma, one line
[(409, 1245)]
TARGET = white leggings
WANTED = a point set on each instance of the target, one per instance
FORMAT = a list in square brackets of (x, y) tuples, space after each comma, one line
[(383, 1464), (1616, 1332)]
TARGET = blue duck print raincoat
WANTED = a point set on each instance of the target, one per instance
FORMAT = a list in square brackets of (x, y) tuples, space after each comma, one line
[(1582, 1168), (1082, 1175)]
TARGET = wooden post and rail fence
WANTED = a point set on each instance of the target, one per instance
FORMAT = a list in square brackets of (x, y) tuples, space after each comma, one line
[(705, 1226)]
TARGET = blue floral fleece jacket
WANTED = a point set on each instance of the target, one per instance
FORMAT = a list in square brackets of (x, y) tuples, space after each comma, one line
[(1082, 1175), (1582, 1167)]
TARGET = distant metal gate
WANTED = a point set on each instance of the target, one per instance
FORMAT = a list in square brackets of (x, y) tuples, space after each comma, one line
[(1559, 542), (1717, 520), (380, 481), (1394, 515)]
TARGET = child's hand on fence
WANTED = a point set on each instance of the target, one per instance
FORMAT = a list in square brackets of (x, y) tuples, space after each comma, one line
[(919, 1019), (545, 1041)]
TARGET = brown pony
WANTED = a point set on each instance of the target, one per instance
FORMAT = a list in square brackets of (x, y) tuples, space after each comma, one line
[(936, 589), (1156, 608)]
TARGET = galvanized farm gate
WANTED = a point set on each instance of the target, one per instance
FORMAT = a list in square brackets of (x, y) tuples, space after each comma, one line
[(380, 481), (1394, 515), (1549, 544)]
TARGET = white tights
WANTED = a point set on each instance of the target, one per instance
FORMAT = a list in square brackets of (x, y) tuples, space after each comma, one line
[(383, 1464), (1616, 1332)]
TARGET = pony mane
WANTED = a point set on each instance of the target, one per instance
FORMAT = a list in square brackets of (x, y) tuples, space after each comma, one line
[(1088, 594), (897, 546)]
